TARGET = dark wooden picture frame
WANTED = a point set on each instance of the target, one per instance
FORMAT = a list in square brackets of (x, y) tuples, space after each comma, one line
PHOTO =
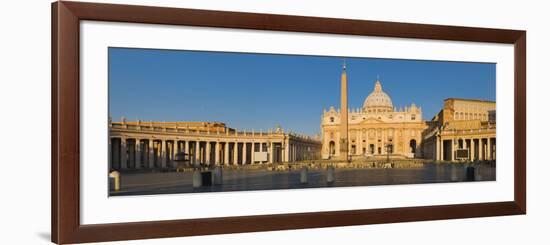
[(65, 175)]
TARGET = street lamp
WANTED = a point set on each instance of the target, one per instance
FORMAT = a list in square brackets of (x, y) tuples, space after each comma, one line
[(388, 150)]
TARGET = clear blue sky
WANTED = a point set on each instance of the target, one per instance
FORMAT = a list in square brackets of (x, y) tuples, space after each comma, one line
[(258, 91)]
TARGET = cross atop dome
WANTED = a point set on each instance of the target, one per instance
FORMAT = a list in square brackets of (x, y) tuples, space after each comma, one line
[(378, 100)]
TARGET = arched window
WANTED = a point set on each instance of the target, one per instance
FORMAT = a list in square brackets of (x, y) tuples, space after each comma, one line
[(331, 119)]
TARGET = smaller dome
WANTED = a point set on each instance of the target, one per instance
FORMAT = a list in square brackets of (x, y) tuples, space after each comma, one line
[(378, 100)]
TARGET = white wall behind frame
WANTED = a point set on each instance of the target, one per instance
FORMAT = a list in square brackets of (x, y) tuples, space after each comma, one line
[(24, 101)]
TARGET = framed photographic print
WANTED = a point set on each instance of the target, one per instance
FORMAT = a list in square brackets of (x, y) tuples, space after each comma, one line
[(177, 122)]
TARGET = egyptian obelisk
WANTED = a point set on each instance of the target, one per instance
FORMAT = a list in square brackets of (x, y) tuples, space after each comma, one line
[(344, 115)]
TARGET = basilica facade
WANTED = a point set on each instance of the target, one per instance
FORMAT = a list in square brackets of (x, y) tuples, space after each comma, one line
[(377, 129)]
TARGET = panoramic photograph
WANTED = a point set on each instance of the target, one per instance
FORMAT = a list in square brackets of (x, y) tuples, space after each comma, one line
[(201, 121)]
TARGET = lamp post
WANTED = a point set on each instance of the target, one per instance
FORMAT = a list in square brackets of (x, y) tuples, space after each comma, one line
[(388, 150)]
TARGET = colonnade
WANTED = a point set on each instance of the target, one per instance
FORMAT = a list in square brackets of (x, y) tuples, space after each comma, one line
[(160, 153), (479, 148), (301, 152), (135, 153)]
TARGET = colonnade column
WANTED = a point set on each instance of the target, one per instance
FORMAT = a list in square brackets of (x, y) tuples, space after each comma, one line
[(186, 149), (495, 151), (151, 154), (138, 154), (110, 152), (245, 148), (489, 149), (123, 154), (479, 149), (472, 149), (286, 157), (295, 153), (270, 159), (217, 150), (207, 152), (226, 154), (236, 153), (163, 153), (253, 151), (197, 152)]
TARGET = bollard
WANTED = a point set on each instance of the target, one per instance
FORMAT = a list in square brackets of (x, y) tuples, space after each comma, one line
[(303, 175), (206, 178), (454, 175), (217, 176), (330, 174), (197, 179), (470, 173), (115, 178)]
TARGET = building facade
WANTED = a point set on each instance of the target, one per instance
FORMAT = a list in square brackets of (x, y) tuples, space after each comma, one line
[(377, 129), (464, 130), (154, 145)]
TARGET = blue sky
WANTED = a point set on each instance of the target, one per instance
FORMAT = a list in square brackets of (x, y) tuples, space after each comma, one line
[(259, 91)]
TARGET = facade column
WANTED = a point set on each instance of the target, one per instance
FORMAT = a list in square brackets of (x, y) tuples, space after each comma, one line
[(123, 154), (360, 143), (226, 153), (208, 151), (197, 152), (217, 151), (236, 153), (489, 149), (383, 146), (163, 153), (151, 154), (138, 154)]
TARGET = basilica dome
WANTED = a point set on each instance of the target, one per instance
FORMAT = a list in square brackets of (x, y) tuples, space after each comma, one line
[(378, 101)]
